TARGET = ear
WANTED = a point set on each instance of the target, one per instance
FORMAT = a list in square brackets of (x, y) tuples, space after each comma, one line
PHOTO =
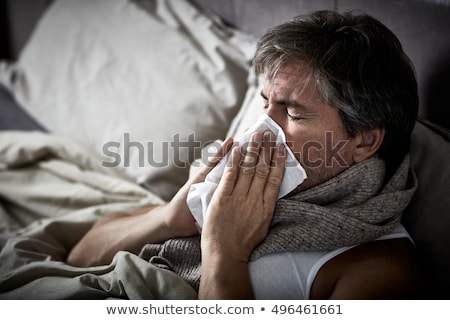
[(368, 144)]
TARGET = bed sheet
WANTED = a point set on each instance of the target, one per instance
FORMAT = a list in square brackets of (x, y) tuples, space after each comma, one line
[(51, 191)]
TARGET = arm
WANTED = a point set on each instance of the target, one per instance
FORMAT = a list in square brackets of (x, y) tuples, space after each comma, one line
[(384, 269), (238, 218), (130, 231)]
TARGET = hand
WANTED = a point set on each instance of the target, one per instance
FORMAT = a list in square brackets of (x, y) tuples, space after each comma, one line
[(238, 218), (239, 215), (179, 217)]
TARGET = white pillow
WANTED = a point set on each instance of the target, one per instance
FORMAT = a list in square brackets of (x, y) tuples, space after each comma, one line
[(145, 84)]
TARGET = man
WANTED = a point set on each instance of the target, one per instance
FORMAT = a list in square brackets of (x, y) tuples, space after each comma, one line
[(345, 95)]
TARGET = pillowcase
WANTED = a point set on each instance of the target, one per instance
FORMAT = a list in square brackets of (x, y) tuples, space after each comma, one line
[(144, 84)]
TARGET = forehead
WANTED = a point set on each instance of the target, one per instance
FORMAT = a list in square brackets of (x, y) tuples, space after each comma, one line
[(292, 81)]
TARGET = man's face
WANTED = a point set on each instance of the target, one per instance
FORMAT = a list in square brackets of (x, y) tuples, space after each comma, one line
[(313, 128)]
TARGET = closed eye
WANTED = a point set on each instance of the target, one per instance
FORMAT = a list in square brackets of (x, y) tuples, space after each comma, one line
[(293, 117), (290, 108)]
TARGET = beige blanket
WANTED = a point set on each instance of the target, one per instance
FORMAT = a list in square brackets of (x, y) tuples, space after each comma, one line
[(51, 191)]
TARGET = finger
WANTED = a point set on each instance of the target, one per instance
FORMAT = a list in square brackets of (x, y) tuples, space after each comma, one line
[(214, 160), (276, 174), (230, 174), (263, 167), (248, 164), (223, 150)]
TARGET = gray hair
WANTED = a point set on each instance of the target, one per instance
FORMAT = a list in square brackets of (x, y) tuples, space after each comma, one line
[(359, 67)]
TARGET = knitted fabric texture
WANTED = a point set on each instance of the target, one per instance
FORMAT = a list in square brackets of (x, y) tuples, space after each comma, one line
[(352, 208)]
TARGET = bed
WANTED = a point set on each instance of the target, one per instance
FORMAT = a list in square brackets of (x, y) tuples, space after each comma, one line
[(108, 103)]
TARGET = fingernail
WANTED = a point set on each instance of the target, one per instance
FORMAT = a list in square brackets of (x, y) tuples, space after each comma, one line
[(257, 137), (267, 136)]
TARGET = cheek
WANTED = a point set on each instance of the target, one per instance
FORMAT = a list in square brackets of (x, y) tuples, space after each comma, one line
[(306, 146), (316, 149), (296, 139), (300, 136)]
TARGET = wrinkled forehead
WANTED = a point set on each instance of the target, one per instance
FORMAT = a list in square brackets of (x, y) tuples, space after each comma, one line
[(292, 80)]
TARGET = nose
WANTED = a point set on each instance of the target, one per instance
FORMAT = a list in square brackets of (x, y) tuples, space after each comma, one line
[(276, 115), (270, 111)]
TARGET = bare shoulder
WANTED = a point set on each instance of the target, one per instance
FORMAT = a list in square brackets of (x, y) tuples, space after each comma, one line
[(385, 269)]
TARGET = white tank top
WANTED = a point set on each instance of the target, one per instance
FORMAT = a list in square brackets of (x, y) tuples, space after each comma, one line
[(289, 275)]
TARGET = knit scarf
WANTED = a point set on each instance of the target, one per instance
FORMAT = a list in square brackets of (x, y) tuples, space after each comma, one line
[(354, 207)]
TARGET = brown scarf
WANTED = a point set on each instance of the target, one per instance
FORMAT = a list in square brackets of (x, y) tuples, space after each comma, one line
[(352, 208)]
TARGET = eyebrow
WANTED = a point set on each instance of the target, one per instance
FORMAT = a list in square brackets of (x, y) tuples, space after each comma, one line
[(288, 103)]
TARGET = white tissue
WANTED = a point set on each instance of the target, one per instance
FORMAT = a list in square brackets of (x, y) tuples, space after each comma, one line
[(200, 194)]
